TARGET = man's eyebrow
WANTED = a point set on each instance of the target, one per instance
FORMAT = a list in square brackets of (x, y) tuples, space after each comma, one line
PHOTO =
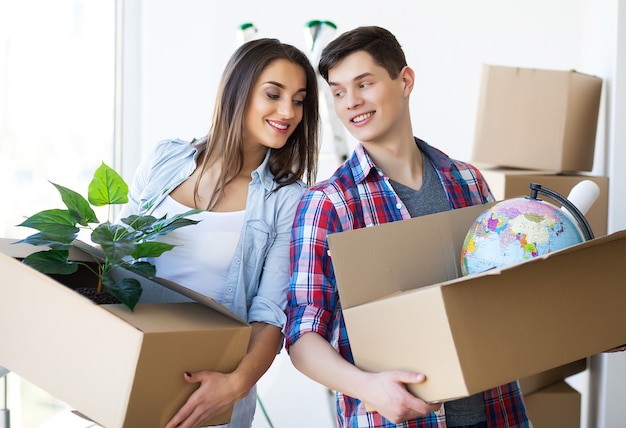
[(356, 78)]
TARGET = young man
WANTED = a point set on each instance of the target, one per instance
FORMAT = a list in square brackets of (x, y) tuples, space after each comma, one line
[(391, 176)]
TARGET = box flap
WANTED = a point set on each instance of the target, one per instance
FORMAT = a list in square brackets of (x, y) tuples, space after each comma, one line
[(374, 262)]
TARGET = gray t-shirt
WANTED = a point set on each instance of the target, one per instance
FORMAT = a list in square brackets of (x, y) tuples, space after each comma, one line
[(431, 199)]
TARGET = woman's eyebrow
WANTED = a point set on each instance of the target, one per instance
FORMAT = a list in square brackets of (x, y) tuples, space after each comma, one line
[(281, 86)]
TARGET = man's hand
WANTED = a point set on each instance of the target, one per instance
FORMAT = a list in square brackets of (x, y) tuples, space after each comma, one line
[(388, 395), (385, 392)]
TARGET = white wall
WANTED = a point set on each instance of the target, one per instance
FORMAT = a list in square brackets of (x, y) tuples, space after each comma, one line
[(185, 44), (179, 48)]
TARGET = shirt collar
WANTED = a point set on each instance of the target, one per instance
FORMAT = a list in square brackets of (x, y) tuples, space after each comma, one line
[(362, 165), (263, 174)]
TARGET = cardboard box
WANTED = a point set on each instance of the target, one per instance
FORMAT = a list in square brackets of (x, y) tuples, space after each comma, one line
[(406, 308), (557, 406), (537, 119), (541, 380), (118, 368), (507, 183)]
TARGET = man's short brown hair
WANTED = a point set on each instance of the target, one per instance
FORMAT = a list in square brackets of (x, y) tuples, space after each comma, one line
[(381, 44)]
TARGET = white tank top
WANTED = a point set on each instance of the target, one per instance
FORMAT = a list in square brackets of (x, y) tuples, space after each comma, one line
[(204, 251)]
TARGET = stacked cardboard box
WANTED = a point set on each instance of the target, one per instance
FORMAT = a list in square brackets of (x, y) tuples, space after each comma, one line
[(539, 126), (537, 119), (539, 381), (550, 401), (556, 406)]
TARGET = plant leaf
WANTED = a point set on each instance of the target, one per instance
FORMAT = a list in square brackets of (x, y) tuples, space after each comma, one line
[(78, 206), (52, 222), (128, 290), (151, 249), (114, 242), (144, 268), (166, 225), (51, 262), (107, 187), (52, 241), (142, 223)]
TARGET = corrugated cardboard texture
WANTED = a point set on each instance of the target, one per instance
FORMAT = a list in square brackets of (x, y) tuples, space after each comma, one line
[(500, 325), (118, 368), (511, 183), (537, 119), (557, 406)]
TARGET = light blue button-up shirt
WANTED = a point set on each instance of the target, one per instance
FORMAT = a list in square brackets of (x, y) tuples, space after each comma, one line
[(258, 279)]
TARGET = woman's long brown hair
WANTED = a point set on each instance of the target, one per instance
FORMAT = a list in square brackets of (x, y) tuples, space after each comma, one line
[(296, 160)]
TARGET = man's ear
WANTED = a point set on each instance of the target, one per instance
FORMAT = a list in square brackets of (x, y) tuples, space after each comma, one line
[(408, 79)]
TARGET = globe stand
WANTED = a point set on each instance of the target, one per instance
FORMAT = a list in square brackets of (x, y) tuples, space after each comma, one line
[(574, 211)]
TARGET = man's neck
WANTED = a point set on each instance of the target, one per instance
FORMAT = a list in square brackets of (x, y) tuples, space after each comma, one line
[(401, 161)]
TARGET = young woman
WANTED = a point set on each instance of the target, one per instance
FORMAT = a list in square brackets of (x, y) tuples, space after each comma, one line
[(247, 176)]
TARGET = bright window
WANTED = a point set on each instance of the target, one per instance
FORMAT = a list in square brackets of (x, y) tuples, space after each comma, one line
[(56, 101), (57, 65)]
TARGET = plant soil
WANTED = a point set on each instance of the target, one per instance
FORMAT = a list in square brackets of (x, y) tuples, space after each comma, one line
[(84, 282), (92, 294)]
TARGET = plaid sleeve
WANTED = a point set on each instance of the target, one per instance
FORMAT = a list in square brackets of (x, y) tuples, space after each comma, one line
[(312, 301)]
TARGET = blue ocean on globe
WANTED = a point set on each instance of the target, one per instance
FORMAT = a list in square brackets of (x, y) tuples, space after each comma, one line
[(515, 230)]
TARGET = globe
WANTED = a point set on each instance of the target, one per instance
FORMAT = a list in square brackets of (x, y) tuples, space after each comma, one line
[(515, 230)]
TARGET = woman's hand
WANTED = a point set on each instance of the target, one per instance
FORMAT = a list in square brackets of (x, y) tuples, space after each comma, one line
[(216, 393)]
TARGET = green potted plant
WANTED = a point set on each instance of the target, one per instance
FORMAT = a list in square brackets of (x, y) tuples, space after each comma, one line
[(122, 245)]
